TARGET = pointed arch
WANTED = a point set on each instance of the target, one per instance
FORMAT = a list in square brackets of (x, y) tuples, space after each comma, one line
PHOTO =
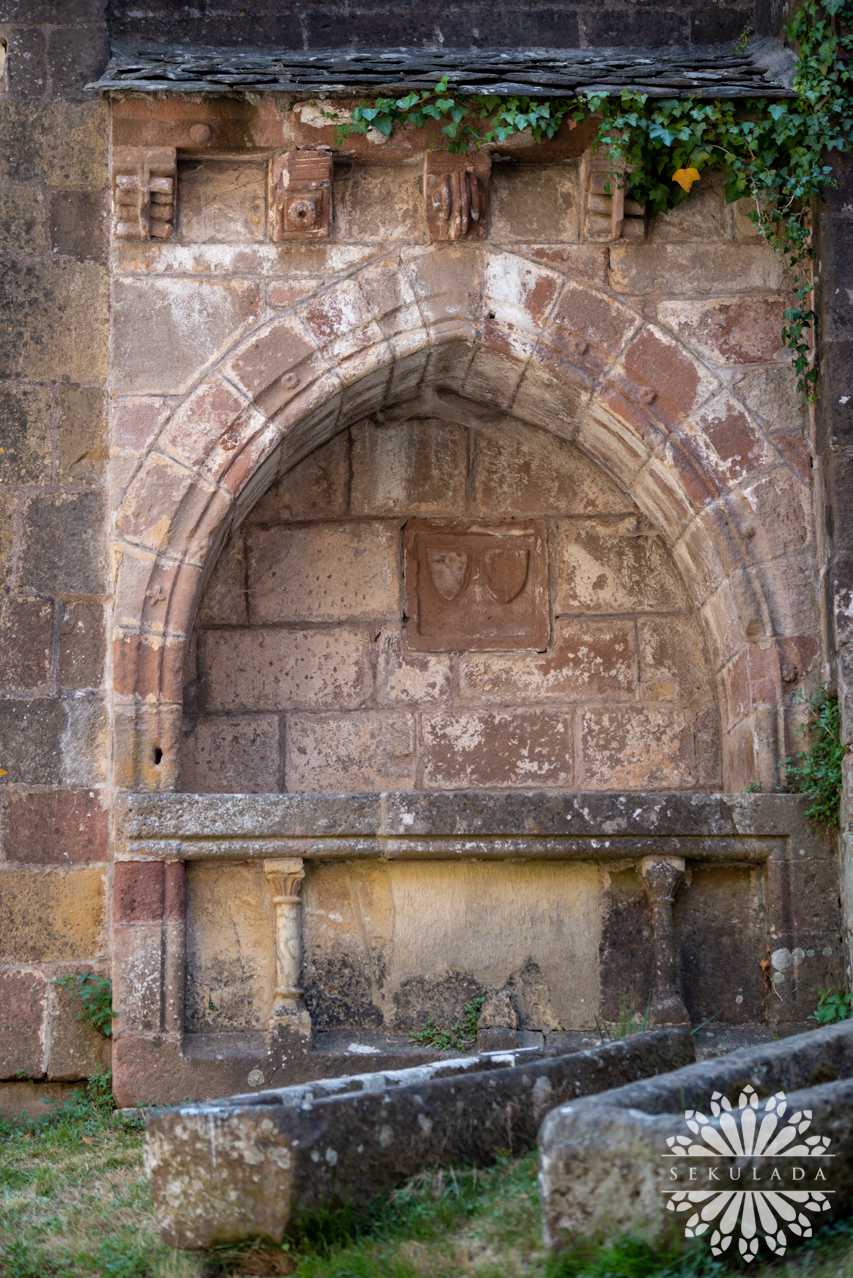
[(427, 329)]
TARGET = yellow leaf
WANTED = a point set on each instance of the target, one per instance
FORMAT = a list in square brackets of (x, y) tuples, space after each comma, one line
[(685, 177), (87, 1140), (3, 772)]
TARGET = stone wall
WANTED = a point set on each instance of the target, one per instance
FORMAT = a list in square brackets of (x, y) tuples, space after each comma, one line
[(305, 676), (54, 584), (548, 23), (656, 362)]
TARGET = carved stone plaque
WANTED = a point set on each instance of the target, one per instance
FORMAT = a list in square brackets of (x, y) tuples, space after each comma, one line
[(476, 586)]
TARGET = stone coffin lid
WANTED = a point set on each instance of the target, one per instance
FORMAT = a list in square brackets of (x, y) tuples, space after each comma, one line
[(764, 69)]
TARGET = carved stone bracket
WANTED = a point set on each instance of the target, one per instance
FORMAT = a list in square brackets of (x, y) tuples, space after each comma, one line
[(456, 193), (608, 212), (300, 195), (144, 183), (662, 875)]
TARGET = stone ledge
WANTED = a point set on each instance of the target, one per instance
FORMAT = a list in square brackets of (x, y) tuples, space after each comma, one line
[(737, 828)]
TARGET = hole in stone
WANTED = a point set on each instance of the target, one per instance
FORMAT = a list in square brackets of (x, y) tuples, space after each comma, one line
[(491, 315), (158, 755)]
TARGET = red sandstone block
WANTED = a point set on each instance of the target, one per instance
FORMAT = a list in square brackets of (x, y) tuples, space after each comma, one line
[(735, 691), (175, 892), (138, 891), (447, 284), (608, 567), (585, 317), (245, 462), (365, 394), (273, 365), (137, 972), (706, 553), (74, 1050), (740, 763), (658, 372), (324, 572), (729, 331), (25, 640), (663, 499), (637, 748), (494, 375), (149, 668), (726, 442), (673, 661), (520, 749), (796, 455), (410, 678), (541, 475), (146, 747), (588, 660), (23, 999), (155, 495), (340, 321), (587, 261), (136, 422), (232, 754), (774, 517), (283, 294), (724, 629), (391, 297), (57, 827), (155, 594), (360, 751), (208, 426)]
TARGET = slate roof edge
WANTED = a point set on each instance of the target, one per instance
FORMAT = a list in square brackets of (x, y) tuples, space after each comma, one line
[(766, 69)]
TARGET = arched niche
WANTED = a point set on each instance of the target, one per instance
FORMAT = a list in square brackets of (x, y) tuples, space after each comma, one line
[(503, 340)]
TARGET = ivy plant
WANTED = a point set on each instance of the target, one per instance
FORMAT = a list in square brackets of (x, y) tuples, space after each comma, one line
[(95, 994), (816, 771), (773, 153)]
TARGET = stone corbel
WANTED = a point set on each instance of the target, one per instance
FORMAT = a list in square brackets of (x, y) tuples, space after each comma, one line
[(662, 874), (290, 1017), (144, 184), (300, 195), (456, 195), (608, 212)]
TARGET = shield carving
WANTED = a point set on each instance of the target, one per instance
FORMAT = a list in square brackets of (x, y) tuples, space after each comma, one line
[(506, 572), (449, 570)]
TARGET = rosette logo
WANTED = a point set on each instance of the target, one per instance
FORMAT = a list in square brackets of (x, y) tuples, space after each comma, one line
[(750, 1174)]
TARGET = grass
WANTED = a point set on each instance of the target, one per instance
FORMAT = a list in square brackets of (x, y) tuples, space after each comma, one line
[(74, 1203)]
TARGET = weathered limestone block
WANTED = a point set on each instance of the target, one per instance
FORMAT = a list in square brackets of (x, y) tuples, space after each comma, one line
[(601, 1169), (233, 1169)]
